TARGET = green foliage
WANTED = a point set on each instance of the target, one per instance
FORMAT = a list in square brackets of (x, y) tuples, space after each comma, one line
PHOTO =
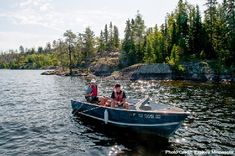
[(175, 55), (149, 55), (101, 41), (109, 39), (133, 43), (31, 61), (182, 37), (89, 45)]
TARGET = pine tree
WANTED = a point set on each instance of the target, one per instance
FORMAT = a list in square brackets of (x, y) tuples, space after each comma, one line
[(128, 53), (110, 38), (89, 45), (21, 49), (229, 8), (199, 39), (182, 25), (157, 45), (101, 47), (116, 40), (149, 55), (106, 36), (210, 20), (139, 32), (175, 55)]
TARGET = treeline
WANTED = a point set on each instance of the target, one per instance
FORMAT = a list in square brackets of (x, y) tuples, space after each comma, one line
[(74, 50), (184, 36)]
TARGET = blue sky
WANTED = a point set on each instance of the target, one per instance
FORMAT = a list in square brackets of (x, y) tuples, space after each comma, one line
[(32, 23)]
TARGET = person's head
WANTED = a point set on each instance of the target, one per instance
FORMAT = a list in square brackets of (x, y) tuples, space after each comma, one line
[(93, 81), (117, 87)]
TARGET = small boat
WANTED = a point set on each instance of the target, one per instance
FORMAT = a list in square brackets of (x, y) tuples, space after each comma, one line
[(142, 116)]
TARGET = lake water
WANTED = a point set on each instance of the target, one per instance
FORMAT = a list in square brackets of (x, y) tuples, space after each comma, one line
[(36, 116)]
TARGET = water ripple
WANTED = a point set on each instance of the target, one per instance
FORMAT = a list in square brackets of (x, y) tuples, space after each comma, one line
[(36, 118)]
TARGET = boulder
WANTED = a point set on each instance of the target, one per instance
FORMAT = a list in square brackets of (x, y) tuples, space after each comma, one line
[(159, 71), (198, 71), (102, 70)]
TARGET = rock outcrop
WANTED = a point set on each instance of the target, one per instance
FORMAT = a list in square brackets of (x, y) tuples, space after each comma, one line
[(159, 71), (102, 70), (203, 71), (106, 63), (144, 72)]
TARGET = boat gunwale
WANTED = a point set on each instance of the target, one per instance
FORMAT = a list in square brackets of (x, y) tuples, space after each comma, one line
[(141, 111)]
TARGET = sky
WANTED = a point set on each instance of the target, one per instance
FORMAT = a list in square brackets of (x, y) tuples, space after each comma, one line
[(33, 23)]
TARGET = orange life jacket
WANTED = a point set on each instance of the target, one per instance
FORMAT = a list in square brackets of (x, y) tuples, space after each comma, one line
[(118, 97)]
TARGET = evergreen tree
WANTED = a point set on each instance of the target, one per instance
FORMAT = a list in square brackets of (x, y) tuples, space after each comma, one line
[(210, 20), (40, 49), (138, 32), (128, 53), (157, 45), (182, 25), (106, 36), (175, 55), (199, 39), (21, 49), (229, 9), (116, 40), (101, 47), (149, 55), (110, 38), (89, 45)]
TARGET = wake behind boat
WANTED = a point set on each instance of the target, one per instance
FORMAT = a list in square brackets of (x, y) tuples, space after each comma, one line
[(143, 116)]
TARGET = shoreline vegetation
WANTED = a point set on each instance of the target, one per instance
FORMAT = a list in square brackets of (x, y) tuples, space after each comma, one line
[(185, 47)]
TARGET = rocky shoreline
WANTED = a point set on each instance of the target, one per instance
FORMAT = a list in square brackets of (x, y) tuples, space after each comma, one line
[(193, 71)]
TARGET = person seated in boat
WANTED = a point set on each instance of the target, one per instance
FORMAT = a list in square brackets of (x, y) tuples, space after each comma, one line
[(118, 97), (92, 92)]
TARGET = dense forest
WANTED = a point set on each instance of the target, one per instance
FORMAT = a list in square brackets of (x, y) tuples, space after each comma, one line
[(184, 36)]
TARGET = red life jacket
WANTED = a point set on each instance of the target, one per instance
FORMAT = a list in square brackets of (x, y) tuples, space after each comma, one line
[(94, 91), (118, 97)]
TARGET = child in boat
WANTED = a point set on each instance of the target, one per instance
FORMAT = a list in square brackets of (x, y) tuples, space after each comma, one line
[(118, 97)]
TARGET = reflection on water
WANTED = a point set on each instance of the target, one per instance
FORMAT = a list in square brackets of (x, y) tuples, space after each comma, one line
[(36, 118)]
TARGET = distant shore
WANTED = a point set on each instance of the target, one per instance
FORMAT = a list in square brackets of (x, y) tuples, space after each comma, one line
[(193, 71)]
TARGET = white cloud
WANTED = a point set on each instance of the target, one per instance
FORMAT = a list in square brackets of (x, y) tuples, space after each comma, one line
[(51, 18), (40, 13)]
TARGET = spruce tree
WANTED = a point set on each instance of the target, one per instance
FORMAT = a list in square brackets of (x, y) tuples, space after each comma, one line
[(210, 20), (101, 47), (106, 36), (116, 40)]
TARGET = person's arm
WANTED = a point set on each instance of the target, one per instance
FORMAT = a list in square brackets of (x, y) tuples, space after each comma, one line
[(123, 97), (112, 96), (89, 94)]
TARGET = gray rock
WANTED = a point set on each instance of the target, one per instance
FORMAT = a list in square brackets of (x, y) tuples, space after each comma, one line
[(153, 71), (102, 70)]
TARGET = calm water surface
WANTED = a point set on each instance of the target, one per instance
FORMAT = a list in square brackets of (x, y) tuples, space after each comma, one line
[(36, 118)]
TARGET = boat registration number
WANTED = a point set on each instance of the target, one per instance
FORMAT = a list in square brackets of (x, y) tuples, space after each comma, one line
[(146, 116)]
